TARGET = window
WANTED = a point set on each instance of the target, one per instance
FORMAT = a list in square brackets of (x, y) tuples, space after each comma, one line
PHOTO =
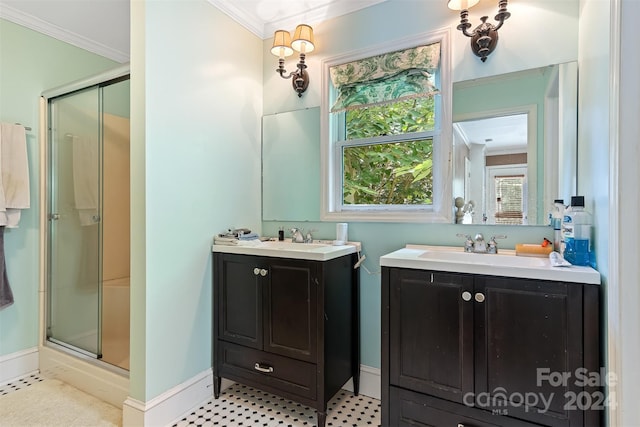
[(386, 152), (507, 202)]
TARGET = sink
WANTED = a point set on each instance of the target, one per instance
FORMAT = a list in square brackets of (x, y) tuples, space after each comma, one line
[(497, 260), (505, 263), (318, 251)]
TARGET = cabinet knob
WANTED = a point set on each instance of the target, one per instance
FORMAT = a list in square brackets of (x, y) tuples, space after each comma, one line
[(480, 297), (263, 272), (460, 425), (256, 271), (466, 295), (265, 369)]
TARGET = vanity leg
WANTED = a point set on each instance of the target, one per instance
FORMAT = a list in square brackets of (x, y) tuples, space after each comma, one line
[(217, 382), (322, 418)]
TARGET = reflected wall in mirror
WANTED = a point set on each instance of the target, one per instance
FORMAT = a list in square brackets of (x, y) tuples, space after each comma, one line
[(291, 166), (514, 147), (491, 166)]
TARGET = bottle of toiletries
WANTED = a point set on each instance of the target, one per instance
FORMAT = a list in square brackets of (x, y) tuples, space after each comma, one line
[(565, 228), (556, 222), (577, 233), (281, 234)]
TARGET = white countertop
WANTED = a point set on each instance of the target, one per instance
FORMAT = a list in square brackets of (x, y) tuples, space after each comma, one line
[(505, 263), (317, 251)]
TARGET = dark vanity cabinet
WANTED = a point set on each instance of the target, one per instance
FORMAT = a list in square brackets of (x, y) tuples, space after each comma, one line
[(286, 326), (472, 350)]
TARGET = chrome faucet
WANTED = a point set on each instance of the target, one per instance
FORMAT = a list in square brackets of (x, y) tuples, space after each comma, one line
[(309, 237), (468, 243), (296, 235), (479, 246), (492, 247)]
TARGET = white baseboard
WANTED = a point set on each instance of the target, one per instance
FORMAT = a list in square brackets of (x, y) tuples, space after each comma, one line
[(370, 382), (171, 405), (19, 364)]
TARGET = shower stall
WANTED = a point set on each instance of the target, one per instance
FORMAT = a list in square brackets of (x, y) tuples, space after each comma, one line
[(87, 265)]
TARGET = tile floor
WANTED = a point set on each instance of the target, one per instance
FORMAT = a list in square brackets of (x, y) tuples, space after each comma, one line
[(20, 383), (242, 406)]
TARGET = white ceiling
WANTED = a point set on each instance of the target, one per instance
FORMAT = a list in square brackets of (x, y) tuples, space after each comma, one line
[(500, 135), (102, 26)]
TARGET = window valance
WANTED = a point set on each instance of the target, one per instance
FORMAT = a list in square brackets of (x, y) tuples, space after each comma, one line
[(386, 78)]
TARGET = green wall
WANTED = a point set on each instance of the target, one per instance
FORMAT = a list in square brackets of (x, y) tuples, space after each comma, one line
[(196, 106), (31, 63), (593, 130)]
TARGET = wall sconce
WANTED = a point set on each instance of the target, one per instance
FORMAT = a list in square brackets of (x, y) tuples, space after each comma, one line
[(283, 46), (484, 37)]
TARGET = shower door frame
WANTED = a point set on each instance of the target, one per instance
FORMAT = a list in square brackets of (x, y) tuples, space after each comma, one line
[(104, 79)]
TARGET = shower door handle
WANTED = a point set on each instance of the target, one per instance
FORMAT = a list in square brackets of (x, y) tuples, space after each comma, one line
[(54, 217), (96, 218)]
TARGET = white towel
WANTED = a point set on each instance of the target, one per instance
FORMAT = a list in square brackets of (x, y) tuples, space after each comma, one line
[(232, 241), (14, 174), (85, 178)]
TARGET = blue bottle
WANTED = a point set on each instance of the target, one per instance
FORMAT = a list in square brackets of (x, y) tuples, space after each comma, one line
[(577, 233)]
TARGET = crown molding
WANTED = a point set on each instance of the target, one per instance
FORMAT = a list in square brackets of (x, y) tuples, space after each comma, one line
[(36, 24), (241, 17)]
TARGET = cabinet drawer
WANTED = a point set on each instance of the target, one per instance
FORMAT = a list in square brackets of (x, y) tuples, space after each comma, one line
[(408, 408), (278, 372)]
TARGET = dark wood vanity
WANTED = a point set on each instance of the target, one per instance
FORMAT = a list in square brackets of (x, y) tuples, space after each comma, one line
[(286, 326), (462, 349)]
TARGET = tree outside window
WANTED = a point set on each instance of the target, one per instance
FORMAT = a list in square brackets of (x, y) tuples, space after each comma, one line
[(389, 173)]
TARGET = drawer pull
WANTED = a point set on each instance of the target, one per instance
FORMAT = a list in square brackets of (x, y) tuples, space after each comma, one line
[(266, 370)]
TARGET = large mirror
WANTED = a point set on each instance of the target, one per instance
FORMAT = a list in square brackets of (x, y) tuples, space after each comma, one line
[(514, 145), (291, 166), (514, 139)]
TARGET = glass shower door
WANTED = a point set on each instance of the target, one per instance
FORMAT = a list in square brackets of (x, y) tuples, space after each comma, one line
[(75, 291)]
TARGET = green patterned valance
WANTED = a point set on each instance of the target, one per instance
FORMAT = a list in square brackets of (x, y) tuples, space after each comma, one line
[(386, 78)]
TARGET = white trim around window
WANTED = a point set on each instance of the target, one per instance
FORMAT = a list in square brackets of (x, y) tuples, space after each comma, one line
[(441, 211)]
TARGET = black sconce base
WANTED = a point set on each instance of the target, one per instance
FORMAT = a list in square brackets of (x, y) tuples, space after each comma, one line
[(484, 40), (300, 82)]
